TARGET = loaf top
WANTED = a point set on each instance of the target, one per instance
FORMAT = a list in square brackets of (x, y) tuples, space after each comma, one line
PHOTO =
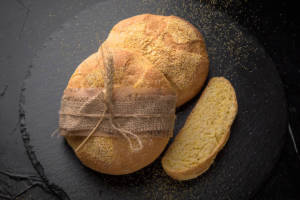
[(130, 70), (171, 44)]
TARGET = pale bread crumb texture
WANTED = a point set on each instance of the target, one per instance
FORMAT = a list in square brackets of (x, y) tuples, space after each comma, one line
[(205, 132)]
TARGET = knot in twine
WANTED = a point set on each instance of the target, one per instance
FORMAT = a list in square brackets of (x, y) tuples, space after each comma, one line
[(108, 76)]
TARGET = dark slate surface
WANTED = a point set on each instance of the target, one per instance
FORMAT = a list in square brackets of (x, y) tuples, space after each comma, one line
[(26, 26)]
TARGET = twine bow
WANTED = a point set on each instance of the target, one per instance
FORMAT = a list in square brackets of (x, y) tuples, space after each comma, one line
[(108, 75)]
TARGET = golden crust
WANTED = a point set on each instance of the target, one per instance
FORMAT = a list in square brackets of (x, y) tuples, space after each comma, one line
[(171, 44), (112, 155)]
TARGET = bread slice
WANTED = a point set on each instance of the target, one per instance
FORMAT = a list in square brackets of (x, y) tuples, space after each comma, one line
[(205, 132)]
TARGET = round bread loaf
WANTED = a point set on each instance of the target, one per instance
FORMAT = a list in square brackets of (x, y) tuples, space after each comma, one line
[(171, 44), (109, 154)]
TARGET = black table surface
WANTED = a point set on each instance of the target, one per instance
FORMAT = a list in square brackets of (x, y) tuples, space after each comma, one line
[(25, 25)]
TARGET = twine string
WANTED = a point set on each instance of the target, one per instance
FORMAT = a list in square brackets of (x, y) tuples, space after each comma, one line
[(108, 111), (92, 132)]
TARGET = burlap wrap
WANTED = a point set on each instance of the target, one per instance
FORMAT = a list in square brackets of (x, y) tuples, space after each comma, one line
[(145, 110), (127, 111)]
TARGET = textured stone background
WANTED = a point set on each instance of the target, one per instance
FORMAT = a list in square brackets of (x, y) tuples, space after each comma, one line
[(26, 24)]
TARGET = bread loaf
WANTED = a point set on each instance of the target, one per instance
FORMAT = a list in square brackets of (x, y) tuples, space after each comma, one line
[(112, 155), (171, 44), (149, 51), (204, 133)]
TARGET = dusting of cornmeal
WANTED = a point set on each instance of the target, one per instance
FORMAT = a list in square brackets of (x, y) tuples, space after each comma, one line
[(228, 48)]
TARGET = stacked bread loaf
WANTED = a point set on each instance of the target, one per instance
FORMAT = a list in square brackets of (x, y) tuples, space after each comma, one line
[(149, 51)]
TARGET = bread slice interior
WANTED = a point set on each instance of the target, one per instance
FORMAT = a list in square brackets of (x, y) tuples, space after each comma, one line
[(205, 132)]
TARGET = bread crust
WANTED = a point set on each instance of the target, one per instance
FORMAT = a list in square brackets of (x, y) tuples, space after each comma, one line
[(171, 44), (203, 166), (108, 154)]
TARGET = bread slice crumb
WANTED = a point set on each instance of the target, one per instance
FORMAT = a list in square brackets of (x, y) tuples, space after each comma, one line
[(205, 132)]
